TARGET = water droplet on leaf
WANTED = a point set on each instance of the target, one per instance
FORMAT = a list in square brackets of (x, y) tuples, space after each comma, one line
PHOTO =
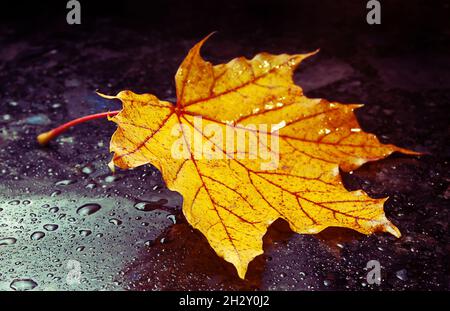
[(51, 227), (37, 235), (85, 232), (7, 241), (23, 284), (88, 209), (115, 221)]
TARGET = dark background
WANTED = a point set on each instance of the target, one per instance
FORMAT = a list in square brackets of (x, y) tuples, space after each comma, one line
[(48, 74)]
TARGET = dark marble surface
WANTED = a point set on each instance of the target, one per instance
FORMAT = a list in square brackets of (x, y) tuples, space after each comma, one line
[(49, 73)]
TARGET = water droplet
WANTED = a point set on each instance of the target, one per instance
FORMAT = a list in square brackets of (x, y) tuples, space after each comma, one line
[(61, 216), (90, 186), (172, 218), (150, 206), (327, 282), (7, 241), (23, 284), (14, 202), (85, 232), (37, 235), (115, 221), (26, 202), (402, 275), (148, 243), (39, 119), (80, 248), (55, 193), (111, 178), (51, 227), (88, 209), (64, 182), (6, 117), (54, 209), (87, 170)]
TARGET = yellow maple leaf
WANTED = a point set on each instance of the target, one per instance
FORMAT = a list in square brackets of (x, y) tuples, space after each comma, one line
[(231, 192)]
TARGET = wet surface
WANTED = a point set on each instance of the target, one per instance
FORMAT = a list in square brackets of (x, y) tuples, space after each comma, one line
[(61, 205)]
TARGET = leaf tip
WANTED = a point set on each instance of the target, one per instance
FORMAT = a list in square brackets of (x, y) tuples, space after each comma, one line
[(409, 152), (105, 96), (314, 52), (201, 42), (112, 166), (310, 54), (242, 268), (390, 228)]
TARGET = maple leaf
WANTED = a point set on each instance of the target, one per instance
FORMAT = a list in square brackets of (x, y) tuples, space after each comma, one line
[(231, 199)]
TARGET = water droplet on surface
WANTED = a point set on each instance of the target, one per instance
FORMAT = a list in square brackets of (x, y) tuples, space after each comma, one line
[(39, 119), (51, 227), (80, 248), (87, 170), (14, 202), (54, 209), (37, 235), (85, 232), (88, 209), (6, 117), (111, 178), (7, 241), (61, 216), (90, 186), (115, 221), (172, 218), (402, 275), (64, 182), (146, 206), (23, 284), (55, 193)]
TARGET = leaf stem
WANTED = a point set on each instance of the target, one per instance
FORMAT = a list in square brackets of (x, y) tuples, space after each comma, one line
[(44, 138)]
